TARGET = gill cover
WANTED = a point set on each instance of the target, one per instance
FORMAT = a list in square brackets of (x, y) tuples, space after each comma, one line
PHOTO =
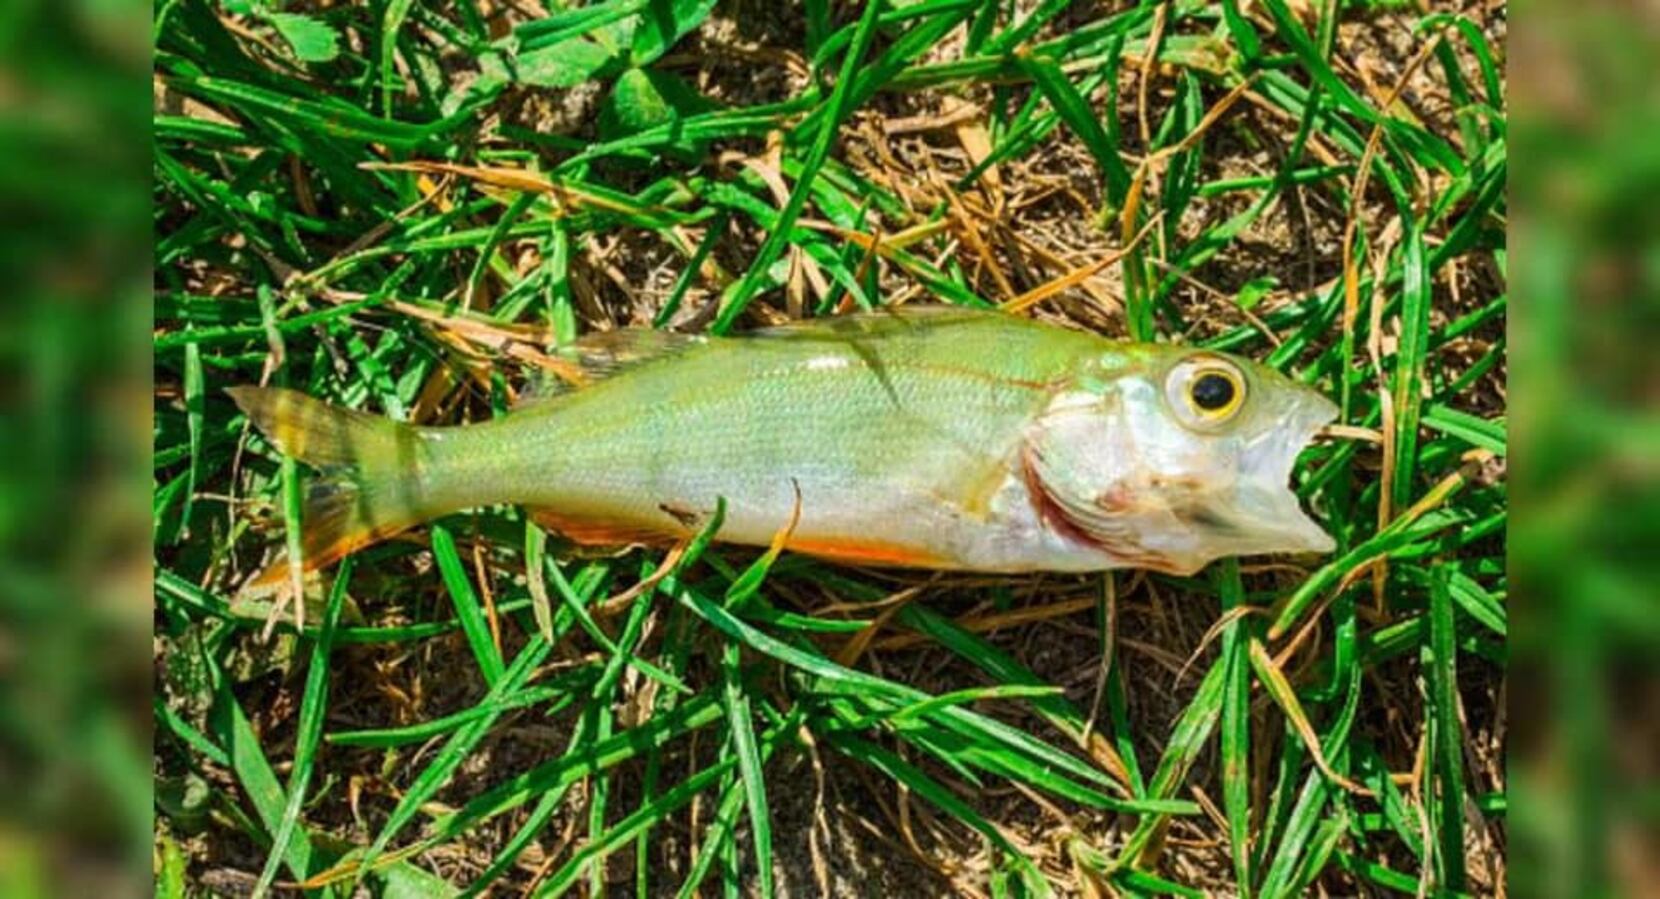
[(1177, 461)]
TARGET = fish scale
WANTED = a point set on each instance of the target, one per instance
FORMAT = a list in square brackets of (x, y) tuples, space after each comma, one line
[(935, 437), (751, 426)]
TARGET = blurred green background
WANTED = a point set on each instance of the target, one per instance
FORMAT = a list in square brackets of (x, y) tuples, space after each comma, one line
[(1585, 539), (75, 613)]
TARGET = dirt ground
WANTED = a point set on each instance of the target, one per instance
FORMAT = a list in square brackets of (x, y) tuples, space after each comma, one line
[(836, 825)]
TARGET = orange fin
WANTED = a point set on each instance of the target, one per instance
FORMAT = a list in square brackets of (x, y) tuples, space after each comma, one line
[(600, 532), (336, 524), (860, 551)]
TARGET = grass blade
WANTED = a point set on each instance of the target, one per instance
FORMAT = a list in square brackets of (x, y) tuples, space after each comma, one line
[(467, 608), (312, 706), (836, 108), (258, 781), (1408, 379), (1446, 735), (1236, 726)]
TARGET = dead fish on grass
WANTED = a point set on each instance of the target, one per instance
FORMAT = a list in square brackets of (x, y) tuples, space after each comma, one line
[(927, 437)]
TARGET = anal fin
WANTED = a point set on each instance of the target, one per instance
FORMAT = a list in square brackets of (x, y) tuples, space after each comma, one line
[(587, 531), (863, 551)]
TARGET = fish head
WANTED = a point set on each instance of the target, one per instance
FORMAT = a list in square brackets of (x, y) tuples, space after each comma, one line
[(1170, 457)]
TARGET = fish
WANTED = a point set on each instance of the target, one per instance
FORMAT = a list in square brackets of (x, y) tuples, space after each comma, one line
[(929, 437)]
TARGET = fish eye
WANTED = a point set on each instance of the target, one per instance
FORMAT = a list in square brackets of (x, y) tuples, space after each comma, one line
[(1206, 391), (1212, 391)]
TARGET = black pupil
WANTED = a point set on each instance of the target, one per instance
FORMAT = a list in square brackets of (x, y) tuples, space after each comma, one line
[(1212, 391)]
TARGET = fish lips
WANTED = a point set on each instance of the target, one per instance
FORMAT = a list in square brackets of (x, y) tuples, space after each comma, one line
[(1265, 510)]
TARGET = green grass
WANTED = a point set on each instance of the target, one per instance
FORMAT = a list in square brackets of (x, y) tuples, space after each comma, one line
[(1328, 730)]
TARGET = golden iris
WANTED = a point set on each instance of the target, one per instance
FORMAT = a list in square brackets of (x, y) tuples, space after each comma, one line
[(1215, 393)]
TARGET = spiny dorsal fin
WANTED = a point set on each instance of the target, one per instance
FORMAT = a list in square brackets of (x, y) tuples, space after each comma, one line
[(597, 356), (885, 320), (601, 354)]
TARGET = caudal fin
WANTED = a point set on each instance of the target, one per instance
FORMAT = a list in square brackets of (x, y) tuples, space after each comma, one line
[(371, 475)]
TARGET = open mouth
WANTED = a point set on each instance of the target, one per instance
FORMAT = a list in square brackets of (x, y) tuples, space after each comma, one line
[(1267, 509)]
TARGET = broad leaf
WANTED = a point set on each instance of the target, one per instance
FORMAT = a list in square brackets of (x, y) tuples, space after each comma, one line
[(312, 40), (665, 22), (565, 64), (645, 98)]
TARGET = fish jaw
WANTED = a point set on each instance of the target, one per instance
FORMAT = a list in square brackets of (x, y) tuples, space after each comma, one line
[(1245, 505), (1264, 502), (1132, 484)]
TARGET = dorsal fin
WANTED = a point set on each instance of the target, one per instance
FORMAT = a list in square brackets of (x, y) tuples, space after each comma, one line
[(885, 320), (601, 354)]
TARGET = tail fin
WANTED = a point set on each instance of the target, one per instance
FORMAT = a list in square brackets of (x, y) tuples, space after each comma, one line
[(371, 485)]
